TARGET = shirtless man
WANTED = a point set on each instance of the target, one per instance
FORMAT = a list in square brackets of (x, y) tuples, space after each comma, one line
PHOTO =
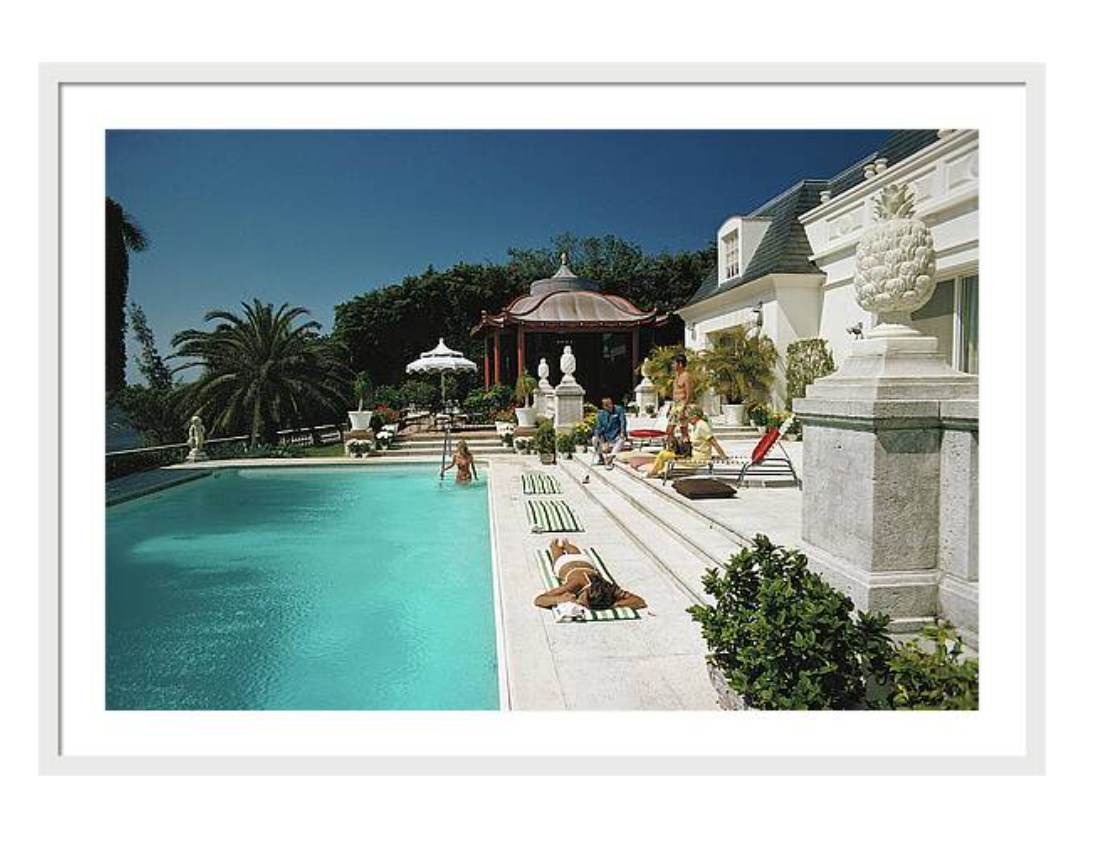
[(682, 394), (580, 582)]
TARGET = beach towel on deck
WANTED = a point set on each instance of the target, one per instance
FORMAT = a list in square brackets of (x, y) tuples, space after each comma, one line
[(621, 613), (535, 484), (551, 515)]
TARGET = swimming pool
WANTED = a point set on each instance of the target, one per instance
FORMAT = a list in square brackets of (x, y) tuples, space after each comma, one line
[(303, 588)]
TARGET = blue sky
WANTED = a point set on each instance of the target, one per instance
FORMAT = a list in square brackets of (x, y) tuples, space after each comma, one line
[(313, 218)]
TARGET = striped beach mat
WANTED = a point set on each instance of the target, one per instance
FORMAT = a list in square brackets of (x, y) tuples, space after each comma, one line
[(551, 515), (536, 484), (620, 613)]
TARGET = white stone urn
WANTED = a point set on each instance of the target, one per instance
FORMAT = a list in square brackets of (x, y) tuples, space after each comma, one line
[(525, 416), (359, 419), (734, 414), (895, 264)]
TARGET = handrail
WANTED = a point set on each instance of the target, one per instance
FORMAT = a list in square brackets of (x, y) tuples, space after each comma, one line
[(221, 441)]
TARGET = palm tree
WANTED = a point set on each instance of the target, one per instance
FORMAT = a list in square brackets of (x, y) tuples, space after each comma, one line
[(742, 365), (124, 235), (262, 369)]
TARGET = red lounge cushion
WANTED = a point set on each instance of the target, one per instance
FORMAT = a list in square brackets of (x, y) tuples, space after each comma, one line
[(703, 488), (646, 434), (764, 444)]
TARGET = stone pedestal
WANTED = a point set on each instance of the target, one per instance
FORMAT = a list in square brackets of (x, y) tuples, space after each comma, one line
[(569, 405), (646, 396), (880, 469), (544, 399)]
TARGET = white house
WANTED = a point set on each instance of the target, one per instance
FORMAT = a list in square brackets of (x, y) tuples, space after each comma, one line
[(788, 266)]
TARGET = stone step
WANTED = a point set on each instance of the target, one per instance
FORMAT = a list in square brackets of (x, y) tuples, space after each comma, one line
[(712, 539), (680, 559)]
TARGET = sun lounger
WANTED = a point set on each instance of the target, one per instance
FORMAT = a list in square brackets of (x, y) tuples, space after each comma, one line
[(551, 515), (739, 469), (536, 484), (620, 613)]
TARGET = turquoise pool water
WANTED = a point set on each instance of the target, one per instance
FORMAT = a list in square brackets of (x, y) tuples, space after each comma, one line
[(305, 589)]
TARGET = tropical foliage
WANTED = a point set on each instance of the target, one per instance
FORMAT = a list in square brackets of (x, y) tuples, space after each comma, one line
[(741, 365), (123, 236), (659, 367), (382, 328), (262, 369), (806, 360)]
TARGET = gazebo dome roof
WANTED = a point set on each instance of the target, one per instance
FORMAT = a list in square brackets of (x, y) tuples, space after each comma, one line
[(563, 279), (565, 302)]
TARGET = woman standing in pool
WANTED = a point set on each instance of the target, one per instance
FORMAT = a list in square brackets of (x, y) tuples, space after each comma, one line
[(463, 459)]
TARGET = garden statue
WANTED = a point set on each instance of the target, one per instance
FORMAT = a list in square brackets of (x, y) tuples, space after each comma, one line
[(196, 440), (895, 264), (544, 396), (568, 365)]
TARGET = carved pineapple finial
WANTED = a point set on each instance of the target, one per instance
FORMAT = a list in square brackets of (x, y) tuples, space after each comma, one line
[(894, 201)]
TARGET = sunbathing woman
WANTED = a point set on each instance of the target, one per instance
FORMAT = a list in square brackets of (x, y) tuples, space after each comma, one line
[(580, 582), (463, 459)]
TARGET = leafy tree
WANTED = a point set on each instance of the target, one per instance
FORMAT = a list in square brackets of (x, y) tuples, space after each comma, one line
[(151, 364), (152, 409), (384, 328), (741, 365), (123, 236), (806, 360), (263, 369)]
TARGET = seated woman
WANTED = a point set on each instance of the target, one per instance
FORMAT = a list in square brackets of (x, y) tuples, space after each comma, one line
[(580, 582), (703, 443)]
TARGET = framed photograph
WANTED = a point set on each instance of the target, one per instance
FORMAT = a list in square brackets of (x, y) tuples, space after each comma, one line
[(451, 413)]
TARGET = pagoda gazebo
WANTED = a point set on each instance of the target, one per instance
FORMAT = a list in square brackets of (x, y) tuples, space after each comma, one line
[(609, 334)]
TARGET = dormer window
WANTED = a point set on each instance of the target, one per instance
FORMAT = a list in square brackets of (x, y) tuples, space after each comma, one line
[(732, 266)]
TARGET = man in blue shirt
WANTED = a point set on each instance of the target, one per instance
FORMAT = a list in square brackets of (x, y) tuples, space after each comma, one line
[(610, 434)]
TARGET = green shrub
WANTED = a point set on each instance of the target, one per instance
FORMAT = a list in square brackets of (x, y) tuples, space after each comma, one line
[(418, 393), (363, 388), (545, 437), (939, 679), (806, 361), (390, 396), (525, 387), (759, 414), (582, 432), (784, 638), (565, 443)]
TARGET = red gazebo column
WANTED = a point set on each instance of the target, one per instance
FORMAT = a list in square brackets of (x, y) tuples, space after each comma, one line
[(521, 352), (496, 356), (487, 345), (634, 356)]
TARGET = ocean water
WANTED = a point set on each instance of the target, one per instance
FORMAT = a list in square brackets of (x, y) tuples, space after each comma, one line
[(302, 588)]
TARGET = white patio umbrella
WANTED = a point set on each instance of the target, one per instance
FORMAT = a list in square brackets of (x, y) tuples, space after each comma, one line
[(442, 360)]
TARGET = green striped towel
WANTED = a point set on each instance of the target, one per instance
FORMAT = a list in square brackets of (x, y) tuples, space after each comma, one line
[(551, 515), (620, 613), (535, 484)]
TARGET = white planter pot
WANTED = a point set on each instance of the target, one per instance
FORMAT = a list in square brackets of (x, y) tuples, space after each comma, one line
[(525, 417), (359, 420), (734, 414)]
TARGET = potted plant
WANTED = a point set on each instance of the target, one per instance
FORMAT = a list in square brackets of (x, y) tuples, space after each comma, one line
[(742, 368), (545, 441), (565, 444), (758, 413), (525, 387), (359, 419)]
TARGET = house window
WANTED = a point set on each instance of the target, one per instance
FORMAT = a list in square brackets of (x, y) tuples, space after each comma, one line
[(966, 325), (951, 316), (731, 266)]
